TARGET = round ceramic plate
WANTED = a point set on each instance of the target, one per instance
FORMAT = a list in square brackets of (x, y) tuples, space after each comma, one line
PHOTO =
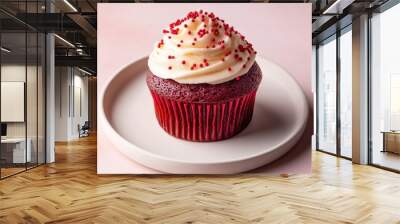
[(280, 115)]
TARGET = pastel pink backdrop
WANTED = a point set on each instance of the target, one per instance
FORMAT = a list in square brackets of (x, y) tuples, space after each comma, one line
[(279, 32)]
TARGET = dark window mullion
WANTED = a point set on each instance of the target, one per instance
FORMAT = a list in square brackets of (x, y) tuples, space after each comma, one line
[(26, 87), (317, 96), (0, 97), (37, 90), (338, 73), (369, 91)]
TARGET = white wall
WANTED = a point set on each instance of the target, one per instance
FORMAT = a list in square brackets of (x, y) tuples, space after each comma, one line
[(71, 102), (12, 101), (62, 81), (12, 73), (360, 90), (81, 102), (16, 72)]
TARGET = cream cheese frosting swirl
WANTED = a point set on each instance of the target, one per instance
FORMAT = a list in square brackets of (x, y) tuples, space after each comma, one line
[(201, 48)]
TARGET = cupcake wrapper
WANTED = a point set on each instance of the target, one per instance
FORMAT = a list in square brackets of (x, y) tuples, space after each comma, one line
[(204, 121)]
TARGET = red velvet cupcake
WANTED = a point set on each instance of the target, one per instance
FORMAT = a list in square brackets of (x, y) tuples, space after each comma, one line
[(203, 79)]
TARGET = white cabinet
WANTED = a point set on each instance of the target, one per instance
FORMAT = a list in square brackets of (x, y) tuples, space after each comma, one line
[(17, 146)]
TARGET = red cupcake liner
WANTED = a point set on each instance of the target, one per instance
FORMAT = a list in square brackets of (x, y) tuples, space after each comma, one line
[(204, 121)]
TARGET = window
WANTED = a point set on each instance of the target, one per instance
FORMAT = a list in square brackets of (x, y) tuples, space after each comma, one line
[(385, 89), (326, 136), (334, 73), (22, 78), (346, 93)]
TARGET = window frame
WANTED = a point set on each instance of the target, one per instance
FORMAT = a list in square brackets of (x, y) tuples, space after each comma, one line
[(334, 37), (381, 9)]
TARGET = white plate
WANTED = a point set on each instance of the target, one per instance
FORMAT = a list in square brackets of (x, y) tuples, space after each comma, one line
[(280, 115)]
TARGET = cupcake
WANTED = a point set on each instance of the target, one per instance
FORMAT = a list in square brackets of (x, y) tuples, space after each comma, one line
[(203, 78)]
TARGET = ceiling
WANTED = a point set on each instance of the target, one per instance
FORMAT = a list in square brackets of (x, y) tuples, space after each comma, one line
[(76, 22)]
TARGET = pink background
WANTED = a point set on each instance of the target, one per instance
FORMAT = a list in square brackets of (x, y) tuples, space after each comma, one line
[(279, 32)]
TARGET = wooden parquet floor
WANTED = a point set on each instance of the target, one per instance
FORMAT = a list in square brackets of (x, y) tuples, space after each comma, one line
[(69, 191)]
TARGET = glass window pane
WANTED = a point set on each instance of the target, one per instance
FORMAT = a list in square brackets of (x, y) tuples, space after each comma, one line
[(346, 94), (22, 89), (327, 96), (13, 88), (385, 87)]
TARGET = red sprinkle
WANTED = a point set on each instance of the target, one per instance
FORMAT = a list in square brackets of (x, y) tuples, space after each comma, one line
[(175, 32), (201, 32), (183, 62), (229, 69), (238, 78)]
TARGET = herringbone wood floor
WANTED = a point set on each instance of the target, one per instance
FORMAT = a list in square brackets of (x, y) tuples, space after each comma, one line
[(69, 191)]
